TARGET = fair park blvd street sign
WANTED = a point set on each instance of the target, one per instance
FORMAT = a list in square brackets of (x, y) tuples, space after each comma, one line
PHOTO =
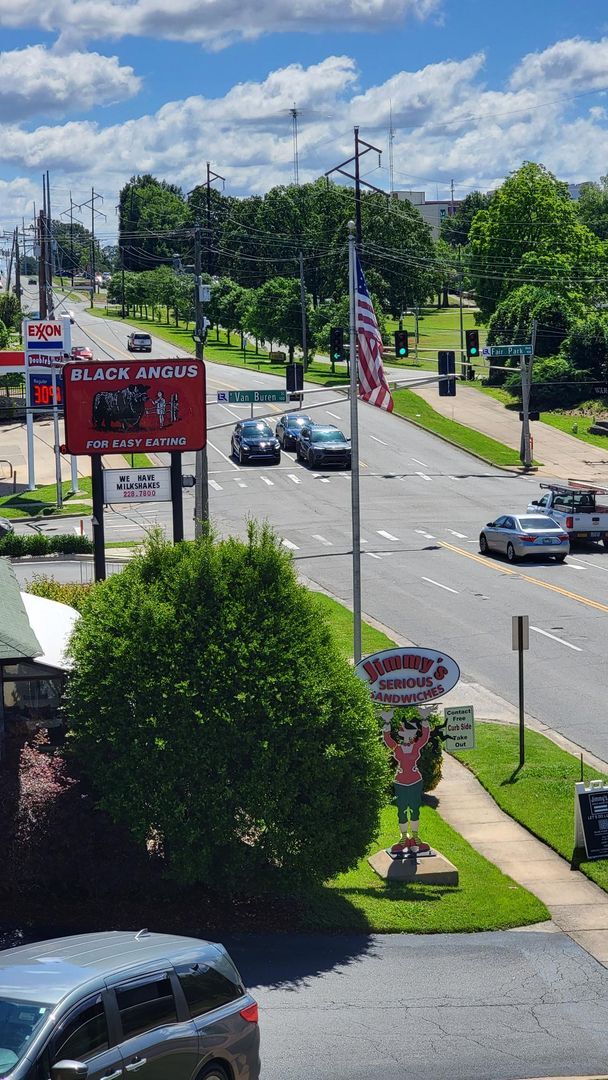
[(250, 397), (507, 350)]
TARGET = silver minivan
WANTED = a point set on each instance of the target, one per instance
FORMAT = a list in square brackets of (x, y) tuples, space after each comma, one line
[(103, 1006)]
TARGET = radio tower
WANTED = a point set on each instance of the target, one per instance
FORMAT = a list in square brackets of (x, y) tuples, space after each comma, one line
[(294, 131)]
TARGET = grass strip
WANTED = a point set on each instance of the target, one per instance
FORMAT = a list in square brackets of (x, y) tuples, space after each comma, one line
[(43, 501), (541, 795), (341, 619), (416, 409), (567, 423), (484, 899)]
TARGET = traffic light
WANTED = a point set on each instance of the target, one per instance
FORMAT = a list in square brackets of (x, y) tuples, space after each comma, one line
[(402, 349), (446, 363), (336, 345), (472, 340)]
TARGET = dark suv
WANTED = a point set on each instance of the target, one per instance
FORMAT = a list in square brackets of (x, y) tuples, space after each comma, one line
[(323, 446), (102, 1006)]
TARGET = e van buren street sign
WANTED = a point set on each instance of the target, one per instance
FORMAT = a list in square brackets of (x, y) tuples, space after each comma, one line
[(250, 397)]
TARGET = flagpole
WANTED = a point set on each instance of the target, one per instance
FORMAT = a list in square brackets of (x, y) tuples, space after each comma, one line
[(354, 444)]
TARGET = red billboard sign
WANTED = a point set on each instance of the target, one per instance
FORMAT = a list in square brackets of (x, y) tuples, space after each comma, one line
[(113, 407)]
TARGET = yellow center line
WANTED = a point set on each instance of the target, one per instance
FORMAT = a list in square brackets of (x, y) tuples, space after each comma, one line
[(525, 577)]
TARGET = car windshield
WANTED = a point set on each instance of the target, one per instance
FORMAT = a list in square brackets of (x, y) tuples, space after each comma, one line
[(539, 523), (141, 337), (297, 421), (251, 430), (19, 1021), (327, 436)]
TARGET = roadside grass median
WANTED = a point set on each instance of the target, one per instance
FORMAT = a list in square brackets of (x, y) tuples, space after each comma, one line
[(43, 501), (341, 619), (576, 426), (540, 795), (411, 406)]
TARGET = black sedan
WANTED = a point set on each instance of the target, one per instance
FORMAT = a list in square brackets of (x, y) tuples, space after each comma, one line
[(289, 427), (323, 445), (254, 439)]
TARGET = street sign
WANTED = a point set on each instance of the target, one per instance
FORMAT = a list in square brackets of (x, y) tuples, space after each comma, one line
[(591, 818), (508, 350), (40, 386), (135, 406), (47, 341), (136, 485), (250, 397), (408, 676), (459, 728)]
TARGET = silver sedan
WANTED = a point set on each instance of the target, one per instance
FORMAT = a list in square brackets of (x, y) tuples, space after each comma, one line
[(518, 537)]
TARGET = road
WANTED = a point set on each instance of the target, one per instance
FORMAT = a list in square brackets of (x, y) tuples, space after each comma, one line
[(423, 503), (443, 1007)]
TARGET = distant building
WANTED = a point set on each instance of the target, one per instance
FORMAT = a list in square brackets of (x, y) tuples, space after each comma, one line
[(432, 210)]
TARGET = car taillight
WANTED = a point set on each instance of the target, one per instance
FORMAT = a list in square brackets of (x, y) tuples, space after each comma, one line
[(569, 523), (563, 536), (250, 1013), (529, 538)]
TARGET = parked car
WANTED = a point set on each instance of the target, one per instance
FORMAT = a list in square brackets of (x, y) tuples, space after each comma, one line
[(82, 352), (254, 439), (289, 427), (519, 536), (328, 445), (6, 527), (139, 343), (32, 281), (104, 1005)]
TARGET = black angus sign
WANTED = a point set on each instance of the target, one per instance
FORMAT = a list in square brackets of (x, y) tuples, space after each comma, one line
[(592, 819)]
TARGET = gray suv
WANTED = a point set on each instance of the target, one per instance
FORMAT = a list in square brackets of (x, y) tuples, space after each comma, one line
[(104, 1006)]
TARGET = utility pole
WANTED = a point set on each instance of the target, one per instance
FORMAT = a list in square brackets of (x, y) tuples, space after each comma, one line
[(525, 363), (50, 302), (91, 203), (70, 211), (294, 133), (18, 289), (303, 306), (464, 372), (42, 265), (359, 153)]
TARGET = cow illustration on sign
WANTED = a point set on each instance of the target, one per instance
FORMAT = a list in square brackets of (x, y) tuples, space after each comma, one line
[(408, 783)]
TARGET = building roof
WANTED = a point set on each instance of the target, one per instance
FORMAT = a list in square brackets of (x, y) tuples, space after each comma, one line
[(49, 970), (17, 639), (52, 624)]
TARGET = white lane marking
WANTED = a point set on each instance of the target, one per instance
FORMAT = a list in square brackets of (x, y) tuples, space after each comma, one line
[(222, 454), (296, 479), (267, 481), (322, 540), (561, 641), (423, 463), (454, 478), (288, 544), (335, 415), (241, 483), (214, 484), (427, 536), (124, 526), (364, 541), (423, 476), (323, 479), (439, 585), (461, 536), (387, 535), (231, 411), (575, 566), (529, 481), (381, 441), (372, 555), (594, 566)]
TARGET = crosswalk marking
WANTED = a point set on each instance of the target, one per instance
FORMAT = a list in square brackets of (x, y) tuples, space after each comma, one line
[(387, 535), (241, 483), (419, 462), (288, 544), (214, 484), (423, 476), (439, 585), (427, 535), (461, 536), (372, 555), (296, 479), (267, 481), (322, 540)]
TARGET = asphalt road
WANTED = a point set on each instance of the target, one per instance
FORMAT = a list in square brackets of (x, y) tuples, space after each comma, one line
[(495, 1006), (423, 503)]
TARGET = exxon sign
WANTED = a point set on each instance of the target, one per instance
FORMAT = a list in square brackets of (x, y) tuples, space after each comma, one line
[(47, 336)]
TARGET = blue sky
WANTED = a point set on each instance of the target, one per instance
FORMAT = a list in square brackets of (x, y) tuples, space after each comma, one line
[(476, 87)]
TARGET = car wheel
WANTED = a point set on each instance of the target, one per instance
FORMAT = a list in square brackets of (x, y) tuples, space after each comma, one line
[(213, 1072), (483, 544), (511, 556), (606, 541), (298, 454), (277, 459), (560, 558), (240, 456)]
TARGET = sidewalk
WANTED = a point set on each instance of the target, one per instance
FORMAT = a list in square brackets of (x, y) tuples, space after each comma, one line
[(562, 455), (577, 906)]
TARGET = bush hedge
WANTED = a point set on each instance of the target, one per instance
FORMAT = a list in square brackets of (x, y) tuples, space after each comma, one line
[(17, 544), (64, 592)]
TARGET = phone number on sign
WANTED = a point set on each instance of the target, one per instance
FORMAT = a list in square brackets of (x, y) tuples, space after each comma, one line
[(145, 494)]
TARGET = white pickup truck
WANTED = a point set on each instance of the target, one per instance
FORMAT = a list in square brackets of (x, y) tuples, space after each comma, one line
[(576, 509)]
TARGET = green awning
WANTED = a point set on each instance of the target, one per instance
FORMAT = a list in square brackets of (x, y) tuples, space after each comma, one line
[(17, 639)]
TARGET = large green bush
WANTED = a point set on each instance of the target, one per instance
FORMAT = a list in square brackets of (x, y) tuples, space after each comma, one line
[(212, 712), (555, 384), (19, 544)]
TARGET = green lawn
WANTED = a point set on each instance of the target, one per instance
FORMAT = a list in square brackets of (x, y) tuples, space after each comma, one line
[(439, 328), (484, 899), (341, 618), (565, 422), (413, 407), (43, 501), (541, 795), (138, 461)]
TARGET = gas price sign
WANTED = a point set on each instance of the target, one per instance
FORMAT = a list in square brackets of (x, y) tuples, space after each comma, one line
[(41, 390)]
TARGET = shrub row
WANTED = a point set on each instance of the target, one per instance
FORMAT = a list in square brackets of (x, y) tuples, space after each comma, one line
[(72, 593), (16, 544)]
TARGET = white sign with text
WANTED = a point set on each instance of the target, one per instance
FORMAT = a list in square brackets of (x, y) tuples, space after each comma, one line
[(459, 728), (136, 485)]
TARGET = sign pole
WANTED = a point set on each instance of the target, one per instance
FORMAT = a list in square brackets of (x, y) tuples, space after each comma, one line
[(520, 641), (99, 555), (56, 439), (354, 442), (73, 474), (177, 498)]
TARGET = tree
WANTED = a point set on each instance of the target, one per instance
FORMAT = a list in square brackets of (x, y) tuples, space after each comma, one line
[(554, 310), (73, 250), (152, 218), (275, 313), (10, 311), (586, 347), (211, 710), (531, 233), (456, 227), (592, 207), (4, 335)]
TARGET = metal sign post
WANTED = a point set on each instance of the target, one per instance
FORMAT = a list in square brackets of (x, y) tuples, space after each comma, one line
[(520, 631)]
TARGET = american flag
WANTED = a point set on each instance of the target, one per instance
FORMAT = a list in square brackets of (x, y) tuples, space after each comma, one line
[(373, 386)]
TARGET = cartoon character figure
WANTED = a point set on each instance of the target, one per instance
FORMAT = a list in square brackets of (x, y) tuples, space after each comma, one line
[(160, 405), (408, 780)]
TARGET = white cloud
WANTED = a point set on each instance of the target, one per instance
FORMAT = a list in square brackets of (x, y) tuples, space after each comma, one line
[(36, 81), (214, 23), (568, 66)]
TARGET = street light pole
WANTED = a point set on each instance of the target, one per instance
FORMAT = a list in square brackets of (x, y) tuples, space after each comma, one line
[(201, 485)]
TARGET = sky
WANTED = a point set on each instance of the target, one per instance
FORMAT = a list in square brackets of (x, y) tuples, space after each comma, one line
[(98, 90)]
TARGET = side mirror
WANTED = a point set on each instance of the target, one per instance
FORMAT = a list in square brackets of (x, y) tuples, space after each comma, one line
[(69, 1070), (490, 524), (535, 502)]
